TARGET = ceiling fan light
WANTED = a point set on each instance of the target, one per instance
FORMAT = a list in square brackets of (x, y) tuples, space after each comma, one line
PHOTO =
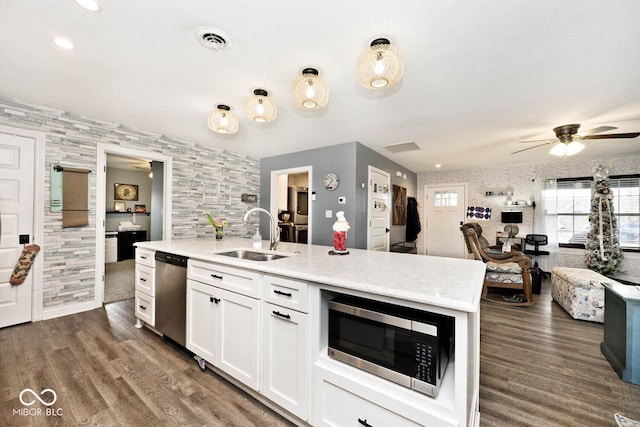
[(309, 91), (564, 149), (260, 107), (222, 120), (379, 66), (574, 147)]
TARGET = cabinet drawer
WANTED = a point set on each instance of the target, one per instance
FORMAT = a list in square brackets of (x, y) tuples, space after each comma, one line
[(336, 405), (145, 280), (145, 257), (232, 279), (285, 292), (145, 308)]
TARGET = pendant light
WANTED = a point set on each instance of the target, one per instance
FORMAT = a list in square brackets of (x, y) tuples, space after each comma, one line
[(380, 66), (261, 108), (222, 120), (309, 91)]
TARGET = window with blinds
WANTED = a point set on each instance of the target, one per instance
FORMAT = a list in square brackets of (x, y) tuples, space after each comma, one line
[(573, 205)]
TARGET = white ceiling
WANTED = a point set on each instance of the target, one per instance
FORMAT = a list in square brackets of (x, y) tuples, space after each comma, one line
[(480, 75)]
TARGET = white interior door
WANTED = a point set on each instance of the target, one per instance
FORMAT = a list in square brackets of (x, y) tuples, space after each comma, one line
[(17, 158), (378, 210), (446, 210)]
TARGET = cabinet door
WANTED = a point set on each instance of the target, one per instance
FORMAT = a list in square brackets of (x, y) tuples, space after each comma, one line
[(202, 311), (239, 337), (285, 377)]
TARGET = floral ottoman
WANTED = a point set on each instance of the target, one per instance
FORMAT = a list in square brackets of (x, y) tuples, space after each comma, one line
[(580, 292)]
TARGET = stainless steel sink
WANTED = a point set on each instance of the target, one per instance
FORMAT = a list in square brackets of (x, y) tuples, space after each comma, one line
[(252, 255)]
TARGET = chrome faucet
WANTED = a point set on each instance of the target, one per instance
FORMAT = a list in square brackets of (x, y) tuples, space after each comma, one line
[(274, 230)]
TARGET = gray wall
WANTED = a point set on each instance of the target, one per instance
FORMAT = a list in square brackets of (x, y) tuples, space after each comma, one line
[(123, 176), (350, 162), (204, 179)]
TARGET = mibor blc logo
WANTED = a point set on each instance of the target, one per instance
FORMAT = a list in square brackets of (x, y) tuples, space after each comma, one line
[(46, 397)]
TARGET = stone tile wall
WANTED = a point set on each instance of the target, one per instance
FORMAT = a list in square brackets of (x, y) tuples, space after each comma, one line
[(70, 139)]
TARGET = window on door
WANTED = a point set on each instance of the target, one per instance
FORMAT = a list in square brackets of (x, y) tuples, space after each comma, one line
[(445, 198)]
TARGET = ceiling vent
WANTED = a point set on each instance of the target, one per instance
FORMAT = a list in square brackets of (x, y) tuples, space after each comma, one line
[(212, 38), (402, 147)]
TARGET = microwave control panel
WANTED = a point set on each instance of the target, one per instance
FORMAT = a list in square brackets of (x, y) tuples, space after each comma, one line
[(424, 368)]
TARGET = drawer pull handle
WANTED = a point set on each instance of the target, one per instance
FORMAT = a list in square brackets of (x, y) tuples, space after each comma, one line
[(143, 307), (143, 257), (215, 276), (142, 279), (286, 294), (364, 423), (212, 299), (277, 313)]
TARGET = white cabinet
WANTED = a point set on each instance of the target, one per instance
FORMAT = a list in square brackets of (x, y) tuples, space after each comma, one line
[(111, 247), (145, 287), (223, 327), (285, 344)]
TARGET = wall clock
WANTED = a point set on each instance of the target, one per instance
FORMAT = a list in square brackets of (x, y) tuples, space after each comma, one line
[(126, 192), (331, 181)]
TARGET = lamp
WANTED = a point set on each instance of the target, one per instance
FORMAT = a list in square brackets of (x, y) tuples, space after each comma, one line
[(222, 120), (381, 65), (479, 213), (260, 108), (309, 91), (567, 149)]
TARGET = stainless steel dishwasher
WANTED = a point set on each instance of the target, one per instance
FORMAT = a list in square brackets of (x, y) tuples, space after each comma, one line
[(171, 296)]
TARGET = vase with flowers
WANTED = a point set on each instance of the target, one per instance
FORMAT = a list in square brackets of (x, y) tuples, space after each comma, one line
[(218, 224)]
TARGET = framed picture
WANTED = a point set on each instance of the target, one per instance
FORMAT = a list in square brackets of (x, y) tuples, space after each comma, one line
[(140, 208), (125, 192), (120, 207)]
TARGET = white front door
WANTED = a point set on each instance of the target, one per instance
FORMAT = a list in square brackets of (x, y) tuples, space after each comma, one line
[(378, 210), (17, 158), (446, 210)]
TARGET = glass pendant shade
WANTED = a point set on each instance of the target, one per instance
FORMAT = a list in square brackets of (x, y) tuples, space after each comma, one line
[(261, 108), (222, 120), (309, 91), (380, 66), (564, 149)]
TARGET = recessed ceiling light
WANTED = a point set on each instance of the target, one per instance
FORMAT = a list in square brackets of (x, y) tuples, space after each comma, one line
[(63, 43), (438, 165), (90, 5)]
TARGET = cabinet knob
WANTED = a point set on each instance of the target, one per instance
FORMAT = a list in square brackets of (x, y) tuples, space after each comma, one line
[(277, 313), (286, 294)]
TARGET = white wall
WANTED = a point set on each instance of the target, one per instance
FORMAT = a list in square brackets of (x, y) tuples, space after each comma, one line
[(520, 180)]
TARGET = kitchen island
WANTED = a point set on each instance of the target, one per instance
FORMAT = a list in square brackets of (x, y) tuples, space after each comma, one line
[(287, 366)]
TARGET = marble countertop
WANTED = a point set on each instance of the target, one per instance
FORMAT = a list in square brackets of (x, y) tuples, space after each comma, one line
[(445, 282)]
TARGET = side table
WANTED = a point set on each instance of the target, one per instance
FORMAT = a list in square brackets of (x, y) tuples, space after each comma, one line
[(621, 344)]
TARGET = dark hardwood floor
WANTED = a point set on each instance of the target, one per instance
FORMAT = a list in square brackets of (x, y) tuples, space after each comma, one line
[(539, 367)]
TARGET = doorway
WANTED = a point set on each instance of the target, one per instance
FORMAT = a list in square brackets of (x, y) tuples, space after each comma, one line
[(445, 212), (21, 218), (120, 223), (378, 210), (291, 196)]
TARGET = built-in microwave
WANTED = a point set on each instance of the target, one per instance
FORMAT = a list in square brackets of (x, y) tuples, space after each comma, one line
[(401, 344)]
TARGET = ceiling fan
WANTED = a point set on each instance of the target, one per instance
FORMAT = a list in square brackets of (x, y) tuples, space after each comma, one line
[(568, 136)]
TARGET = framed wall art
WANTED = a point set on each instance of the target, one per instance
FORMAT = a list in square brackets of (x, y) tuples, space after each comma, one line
[(120, 207), (125, 192)]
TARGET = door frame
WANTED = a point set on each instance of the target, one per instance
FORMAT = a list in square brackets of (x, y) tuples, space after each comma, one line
[(425, 225), (370, 199), (37, 290), (273, 196), (101, 195)]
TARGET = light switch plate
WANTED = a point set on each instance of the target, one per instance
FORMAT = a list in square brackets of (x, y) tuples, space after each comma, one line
[(328, 213)]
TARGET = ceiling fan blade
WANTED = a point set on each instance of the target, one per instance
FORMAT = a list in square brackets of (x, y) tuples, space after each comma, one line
[(535, 146), (598, 130), (612, 136), (537, 140)]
